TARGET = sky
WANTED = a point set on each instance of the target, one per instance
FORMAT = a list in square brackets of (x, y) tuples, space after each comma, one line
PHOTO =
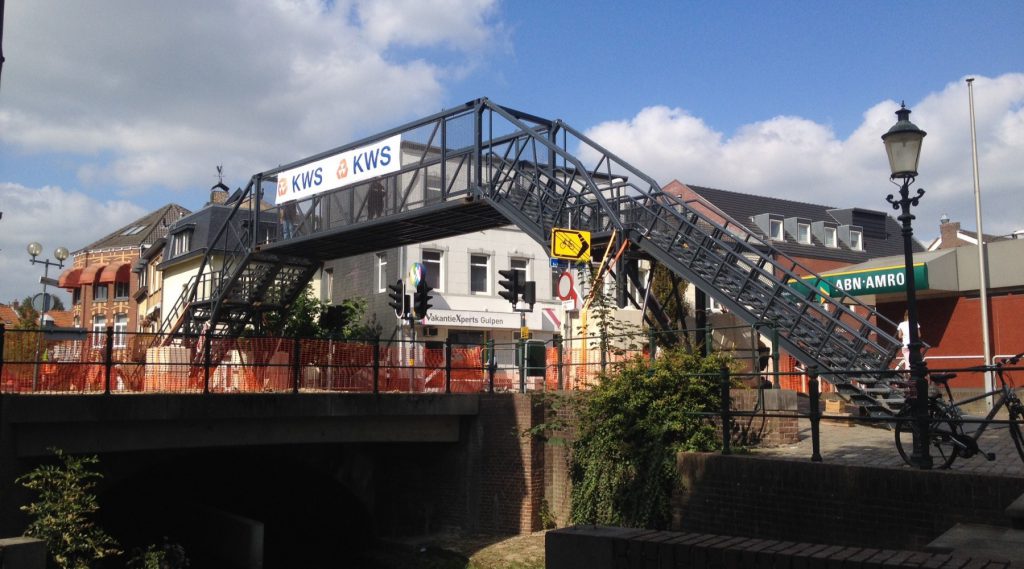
[(111, 109)]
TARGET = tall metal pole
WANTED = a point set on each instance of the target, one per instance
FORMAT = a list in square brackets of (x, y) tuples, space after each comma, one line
[(982, 272)]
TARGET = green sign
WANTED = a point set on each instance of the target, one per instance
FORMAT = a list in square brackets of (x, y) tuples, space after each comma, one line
[(867, 281)]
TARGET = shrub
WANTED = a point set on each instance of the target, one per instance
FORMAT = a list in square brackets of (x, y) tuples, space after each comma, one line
[(62, 515), (630, 428)]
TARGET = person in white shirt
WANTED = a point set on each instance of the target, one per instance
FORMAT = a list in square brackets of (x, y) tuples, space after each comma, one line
[(903, 334)]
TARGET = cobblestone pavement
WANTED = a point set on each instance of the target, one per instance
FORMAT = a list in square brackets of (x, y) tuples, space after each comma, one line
[(844, 442)]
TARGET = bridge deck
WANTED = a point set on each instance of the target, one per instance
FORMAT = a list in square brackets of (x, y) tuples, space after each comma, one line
[(435, 221)]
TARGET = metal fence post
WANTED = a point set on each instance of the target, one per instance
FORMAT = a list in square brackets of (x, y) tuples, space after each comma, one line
[(815, 412), (448, 365), (726, 414), (492, 366), (559, 350), (296, 364), (775, 356), (376, 365), (206, 362), (108, 359), (522, 365)]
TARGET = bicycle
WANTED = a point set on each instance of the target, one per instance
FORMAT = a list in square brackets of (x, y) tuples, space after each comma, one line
[(948, 436)]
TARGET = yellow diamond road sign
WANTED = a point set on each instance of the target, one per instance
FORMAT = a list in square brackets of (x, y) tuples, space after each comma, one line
[(570, 244)]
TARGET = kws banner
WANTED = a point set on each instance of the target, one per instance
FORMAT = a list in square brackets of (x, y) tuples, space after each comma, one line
[(340, 170)]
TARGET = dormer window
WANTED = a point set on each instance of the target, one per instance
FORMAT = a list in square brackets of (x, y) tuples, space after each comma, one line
[(776, 230), (804, 233), (831, 240), (856, 240), (182, 243)]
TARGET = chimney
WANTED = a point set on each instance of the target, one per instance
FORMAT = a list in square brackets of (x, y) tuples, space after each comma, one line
[(948, 235), (219, 194)]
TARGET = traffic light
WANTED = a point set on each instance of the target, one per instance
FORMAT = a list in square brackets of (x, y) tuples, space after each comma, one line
[(421, 303), (512, 284), (399, 300), (530, 293)]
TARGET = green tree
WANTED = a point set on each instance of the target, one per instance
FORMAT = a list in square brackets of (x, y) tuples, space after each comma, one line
[(309, 317), (670, 291), (28, 317), (629, 430), (62, 517)]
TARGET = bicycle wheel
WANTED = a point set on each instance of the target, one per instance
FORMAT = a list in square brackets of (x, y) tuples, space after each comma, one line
[(1016, 415), (942, 428)]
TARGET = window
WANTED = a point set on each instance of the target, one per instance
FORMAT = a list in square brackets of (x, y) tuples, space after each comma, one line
[(76, 296), (382, 272), (804, 233), (182, 243), (327, 285), (776, 228), (122, 289), (144, 277), (479, 274), (830, 236), (432, 267), (856, 240), (99, 292), (556, 273), (77, 322), (521, 265), (120, 330), (99, 329)]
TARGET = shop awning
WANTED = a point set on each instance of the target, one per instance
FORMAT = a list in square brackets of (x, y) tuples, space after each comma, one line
[(69, 278), (933, 270), (859, 282), (88, 276), (115, 273)]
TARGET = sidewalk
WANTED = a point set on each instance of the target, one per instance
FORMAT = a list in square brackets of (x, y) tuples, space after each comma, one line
[(859, 444)]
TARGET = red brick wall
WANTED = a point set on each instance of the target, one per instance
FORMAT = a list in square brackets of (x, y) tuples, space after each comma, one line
[(952, 326)]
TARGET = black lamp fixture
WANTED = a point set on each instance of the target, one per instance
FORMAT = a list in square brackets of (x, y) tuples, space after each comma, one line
[(903, 145)]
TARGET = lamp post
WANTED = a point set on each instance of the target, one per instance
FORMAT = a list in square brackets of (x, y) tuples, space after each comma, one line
[(61, 254), (903, 145)]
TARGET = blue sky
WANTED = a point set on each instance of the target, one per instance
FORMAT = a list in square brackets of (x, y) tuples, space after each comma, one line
[(112, 109)]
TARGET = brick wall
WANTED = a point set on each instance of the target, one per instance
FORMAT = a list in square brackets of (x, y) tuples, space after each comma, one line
[(596, 547), (837, 504), (495, 480)]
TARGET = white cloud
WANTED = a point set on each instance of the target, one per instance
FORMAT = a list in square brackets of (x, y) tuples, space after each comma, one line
[(798, 159), (246, 84), (53, 217)]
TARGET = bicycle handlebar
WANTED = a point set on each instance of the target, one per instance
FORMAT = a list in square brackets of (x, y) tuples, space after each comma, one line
[(997, 366)]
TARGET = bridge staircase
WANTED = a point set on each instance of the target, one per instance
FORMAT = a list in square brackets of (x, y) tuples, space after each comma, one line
[(535, 181), (237, 282)]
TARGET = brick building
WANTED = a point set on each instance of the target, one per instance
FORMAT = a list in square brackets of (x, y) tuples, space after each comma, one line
[(100, 279)]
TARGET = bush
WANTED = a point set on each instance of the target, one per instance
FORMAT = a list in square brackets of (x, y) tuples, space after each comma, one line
[(62, 516), (630, 428)]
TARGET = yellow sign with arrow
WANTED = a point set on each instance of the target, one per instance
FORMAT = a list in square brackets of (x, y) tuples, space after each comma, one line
[(570, 244)]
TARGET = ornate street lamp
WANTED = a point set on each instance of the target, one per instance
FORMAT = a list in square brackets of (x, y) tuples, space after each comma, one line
[(903, 145), (61, 254)]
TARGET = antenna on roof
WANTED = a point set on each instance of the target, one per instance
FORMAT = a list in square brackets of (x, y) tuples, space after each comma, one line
[(220, 173)]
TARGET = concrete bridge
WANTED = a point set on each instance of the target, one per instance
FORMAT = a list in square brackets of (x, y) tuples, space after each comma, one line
[(355, 465)]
